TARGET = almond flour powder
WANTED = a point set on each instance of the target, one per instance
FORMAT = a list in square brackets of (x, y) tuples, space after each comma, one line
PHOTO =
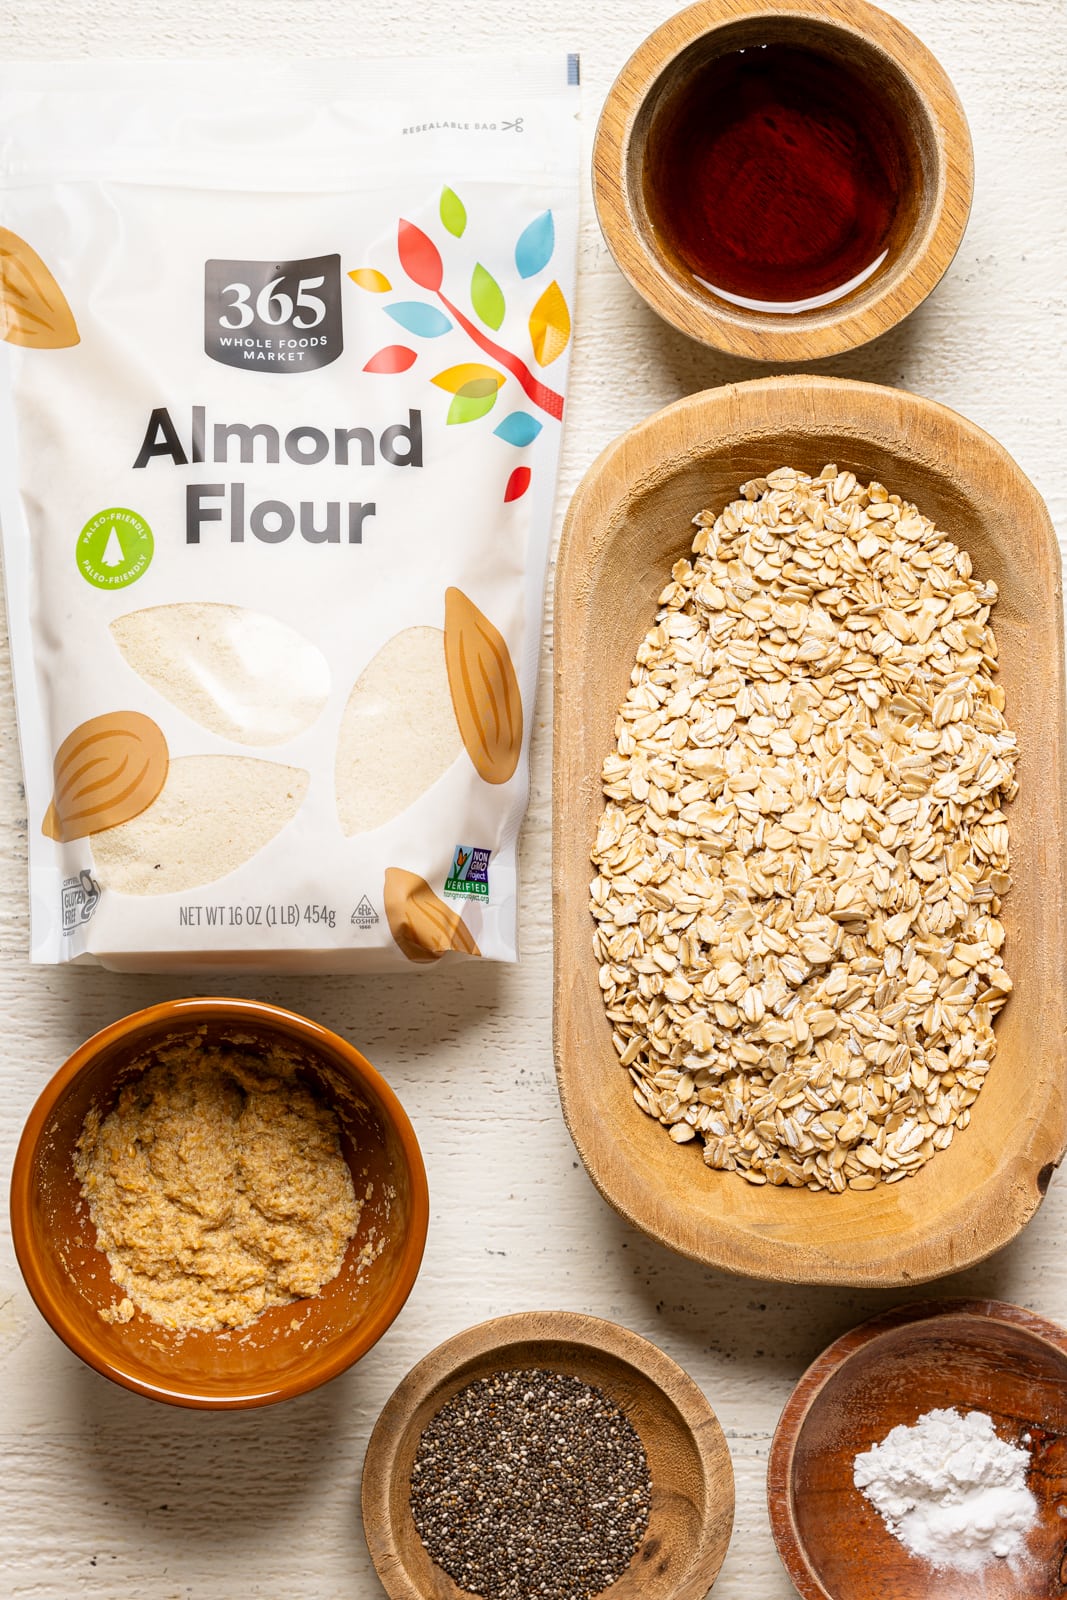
[(217, 1187)]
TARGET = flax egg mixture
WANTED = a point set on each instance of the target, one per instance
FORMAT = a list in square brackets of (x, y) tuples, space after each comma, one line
[(217, 1187)]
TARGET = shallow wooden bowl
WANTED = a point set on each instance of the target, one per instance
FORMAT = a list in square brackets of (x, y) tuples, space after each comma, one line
[(288, 1349), (936, 197), (971, 1355), (627, 524), (688, 1458)]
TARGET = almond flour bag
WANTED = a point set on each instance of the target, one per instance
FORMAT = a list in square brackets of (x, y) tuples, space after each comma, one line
[(281, 385)]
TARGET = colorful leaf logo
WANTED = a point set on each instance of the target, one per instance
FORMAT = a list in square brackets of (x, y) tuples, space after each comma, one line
[(487, 297), (550, 325), (369, 278), (536, 244), (474, 387), (418, 318), (394, 358), (518, 428), (470, 407), (518, 484), (470, 377), (419, 256), (453, 213)]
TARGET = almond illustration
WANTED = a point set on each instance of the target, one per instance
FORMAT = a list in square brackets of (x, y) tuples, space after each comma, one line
[(105, 772), (242, 674), (423, 927), (212, 815), (484, 688), (33, 310), (398, 734)]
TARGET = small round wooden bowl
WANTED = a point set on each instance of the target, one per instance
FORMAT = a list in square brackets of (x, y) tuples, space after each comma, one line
[(688, 1458), (970, 1355), (931, 219), (287, 1350), (628, 523)]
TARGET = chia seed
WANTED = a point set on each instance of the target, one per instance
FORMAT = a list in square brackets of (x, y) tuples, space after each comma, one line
[(531, 1485)]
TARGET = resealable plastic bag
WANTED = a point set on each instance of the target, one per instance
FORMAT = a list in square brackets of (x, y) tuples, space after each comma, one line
[(281, 388)]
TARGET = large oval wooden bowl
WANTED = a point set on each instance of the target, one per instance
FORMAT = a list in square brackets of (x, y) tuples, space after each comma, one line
[(967, 1355), (627, 524), (688, 1457)]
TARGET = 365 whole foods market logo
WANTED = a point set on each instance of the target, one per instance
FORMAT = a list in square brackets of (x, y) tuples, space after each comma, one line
[(476, 386), (273, 316), (468, 876)]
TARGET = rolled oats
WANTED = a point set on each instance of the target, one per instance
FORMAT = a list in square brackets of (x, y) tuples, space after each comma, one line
[(802, 857)]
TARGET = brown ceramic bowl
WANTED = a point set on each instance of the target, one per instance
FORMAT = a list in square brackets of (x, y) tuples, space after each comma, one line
[(688, 1457), (288, 1349), (967, 1355), (935, 180)]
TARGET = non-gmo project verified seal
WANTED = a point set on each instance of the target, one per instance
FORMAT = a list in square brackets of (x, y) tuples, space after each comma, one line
[(468, 876)]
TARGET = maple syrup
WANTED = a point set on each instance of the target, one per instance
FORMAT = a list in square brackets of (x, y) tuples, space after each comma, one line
[(775, 177)]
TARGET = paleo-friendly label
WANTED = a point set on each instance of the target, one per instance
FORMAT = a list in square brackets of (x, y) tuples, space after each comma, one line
[(114, 548)]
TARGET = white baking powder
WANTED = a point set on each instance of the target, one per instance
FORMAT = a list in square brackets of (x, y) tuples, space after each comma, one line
[(950, 1489)]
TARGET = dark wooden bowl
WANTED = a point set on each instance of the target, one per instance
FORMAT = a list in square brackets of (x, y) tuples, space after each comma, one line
[(689, 1462), (973, 1355), (934, 208)]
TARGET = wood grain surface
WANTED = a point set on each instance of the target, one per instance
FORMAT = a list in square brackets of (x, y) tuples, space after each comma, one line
[(629, 522), (688, 1457), (935, 201), (965, 1355), (106, 1496)]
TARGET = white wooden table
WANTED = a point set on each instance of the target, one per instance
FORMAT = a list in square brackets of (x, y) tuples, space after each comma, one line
[(105, 1494)]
